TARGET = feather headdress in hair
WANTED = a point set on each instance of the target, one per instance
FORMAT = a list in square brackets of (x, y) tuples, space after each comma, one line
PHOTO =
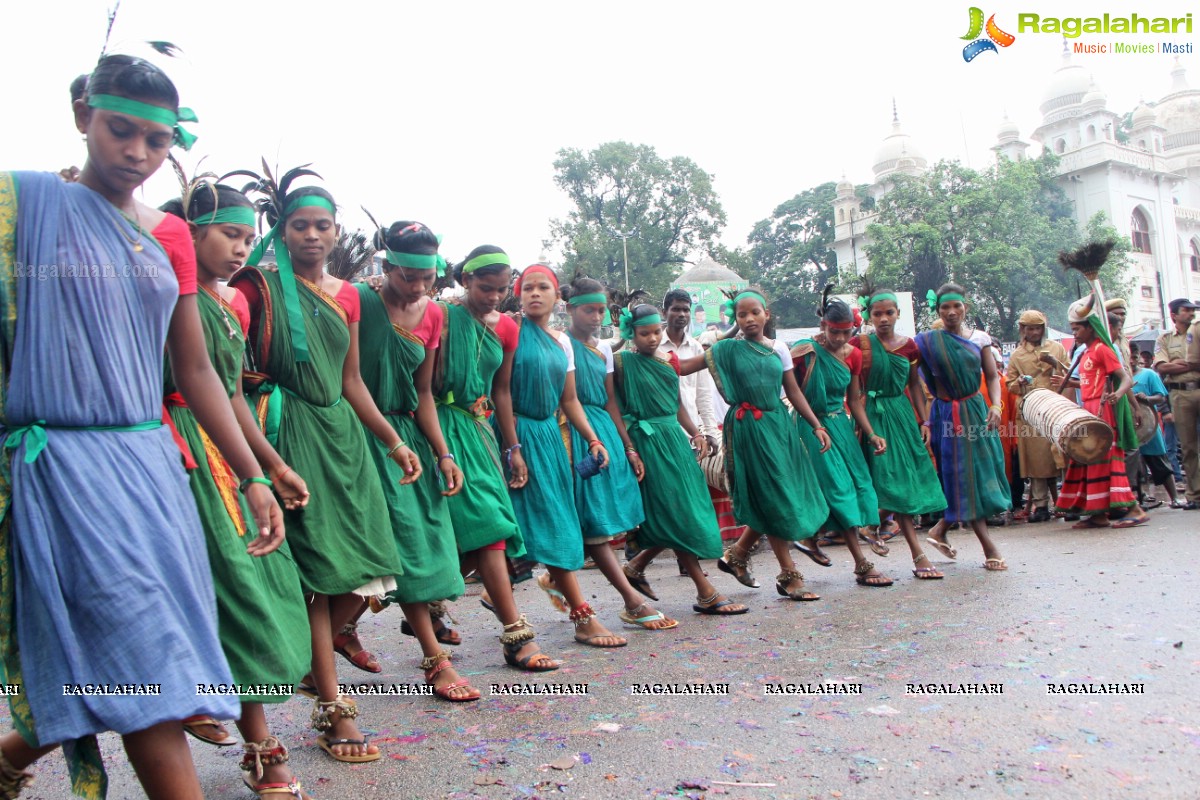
[(826, 293), (271, 207)]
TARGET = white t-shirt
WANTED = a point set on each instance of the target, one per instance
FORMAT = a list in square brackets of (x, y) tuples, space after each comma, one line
[(606, 350), (564, 341)]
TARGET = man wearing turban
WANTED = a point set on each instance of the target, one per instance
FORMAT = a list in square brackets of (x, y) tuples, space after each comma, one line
[(1028, 369)]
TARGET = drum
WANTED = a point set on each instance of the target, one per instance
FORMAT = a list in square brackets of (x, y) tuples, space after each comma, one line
[(1078, 434), (1146, 424), (713, 466)]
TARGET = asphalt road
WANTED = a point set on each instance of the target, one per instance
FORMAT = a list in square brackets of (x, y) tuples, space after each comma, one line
[(1075, 607)]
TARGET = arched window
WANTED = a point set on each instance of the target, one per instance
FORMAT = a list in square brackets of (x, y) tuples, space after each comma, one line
[(1060, 146), (1195, 256), (841, 215), (1139, 232), (1091, 133)]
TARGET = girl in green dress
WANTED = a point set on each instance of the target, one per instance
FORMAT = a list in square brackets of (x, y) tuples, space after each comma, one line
[(261, 616), (313, 402), (543, 381), (827, 369), (609, 502), (769, 469), (471, 380), (903, 475), (679, 512), (400, 331)]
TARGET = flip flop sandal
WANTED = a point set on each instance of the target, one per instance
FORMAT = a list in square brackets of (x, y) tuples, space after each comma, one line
[(444, 634), (1089, 524), (927, 573), (638, 581), (629, 619), (1129, 523), (728, 562), (816, 555), (945, 548), (190, 725), (877, 546), (863, 579), (526, 664), (1151, 503), (786, 577), (995, 565), (556, 597), (327, 744), (715, 609)]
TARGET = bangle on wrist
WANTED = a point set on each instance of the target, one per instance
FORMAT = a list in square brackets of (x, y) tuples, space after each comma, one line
[(395, 447), (444, 456), (276, 476), (245, 484), (819, 428), (595, 442), (925, 424)]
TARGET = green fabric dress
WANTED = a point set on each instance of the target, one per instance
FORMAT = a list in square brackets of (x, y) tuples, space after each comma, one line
[(842, 470), (678, 508), (771, 475), (545, 506), (341, 540), (609, 502), (904, 477), (388, 360), (261, 616), (468, 358)]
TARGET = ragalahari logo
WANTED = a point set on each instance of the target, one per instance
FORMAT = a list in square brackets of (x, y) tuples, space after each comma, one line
[(995, 36)]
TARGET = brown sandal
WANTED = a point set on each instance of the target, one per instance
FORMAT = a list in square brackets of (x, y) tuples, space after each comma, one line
[(268, 753), (12, 780), (518, 634), (436, 664)]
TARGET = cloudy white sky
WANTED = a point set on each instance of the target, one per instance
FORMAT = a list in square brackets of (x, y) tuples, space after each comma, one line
[(452, 112)]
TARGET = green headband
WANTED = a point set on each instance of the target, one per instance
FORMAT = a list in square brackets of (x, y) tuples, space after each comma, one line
[(627, 325), (283, 260), (485, 260), (587, 299), (416, 261), (935, 300), (867, 302), (305, 201), (150, 113), (730, 306), (235, 215)]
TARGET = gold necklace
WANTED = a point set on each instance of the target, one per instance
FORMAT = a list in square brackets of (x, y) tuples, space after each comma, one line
[(135, 243)]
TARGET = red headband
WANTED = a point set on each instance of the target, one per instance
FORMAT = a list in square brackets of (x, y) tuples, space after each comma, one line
[(840, 326), (542, 268)]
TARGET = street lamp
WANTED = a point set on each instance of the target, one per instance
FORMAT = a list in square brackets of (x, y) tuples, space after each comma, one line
[(624, 236)]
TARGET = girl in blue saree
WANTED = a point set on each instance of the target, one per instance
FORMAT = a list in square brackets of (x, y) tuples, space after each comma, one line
[(962, 426), (89, 300)]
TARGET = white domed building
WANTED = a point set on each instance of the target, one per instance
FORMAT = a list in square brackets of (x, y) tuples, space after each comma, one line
[(1148, 186), (898, 154)]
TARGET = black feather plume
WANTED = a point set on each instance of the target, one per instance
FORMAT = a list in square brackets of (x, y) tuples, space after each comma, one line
[(166, 48), (1088, 259)]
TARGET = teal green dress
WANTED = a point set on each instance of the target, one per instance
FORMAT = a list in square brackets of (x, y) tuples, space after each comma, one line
[(389, 357), (609, 503), (771, 474), (261, 614), (903, 475), (842, 471), (469, 356), (545, 506), (679, 510)]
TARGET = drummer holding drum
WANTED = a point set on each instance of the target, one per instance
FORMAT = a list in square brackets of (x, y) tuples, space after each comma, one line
[(1031, 366)]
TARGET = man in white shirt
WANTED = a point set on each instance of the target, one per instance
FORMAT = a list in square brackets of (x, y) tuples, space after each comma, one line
[(696, 390)]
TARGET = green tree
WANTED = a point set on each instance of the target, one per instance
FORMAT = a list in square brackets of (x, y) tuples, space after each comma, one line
[(997, 232), (666, 207)]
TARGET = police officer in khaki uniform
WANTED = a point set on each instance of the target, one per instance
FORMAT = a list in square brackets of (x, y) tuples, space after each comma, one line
[(1177, 361)]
